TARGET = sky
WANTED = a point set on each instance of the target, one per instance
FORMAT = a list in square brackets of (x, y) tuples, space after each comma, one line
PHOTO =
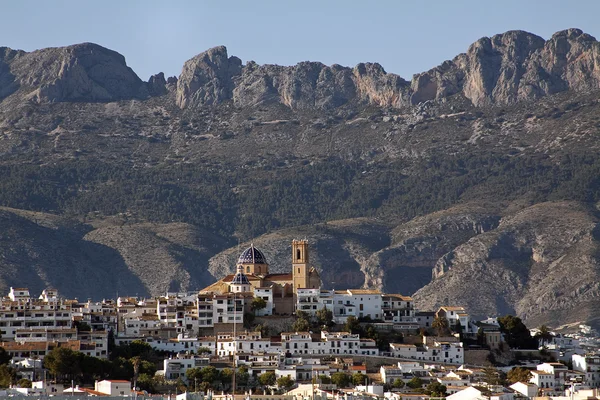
[(405, 37)]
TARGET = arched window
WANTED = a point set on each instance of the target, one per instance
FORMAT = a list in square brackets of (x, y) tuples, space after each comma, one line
[(248, 269), (298, 254)]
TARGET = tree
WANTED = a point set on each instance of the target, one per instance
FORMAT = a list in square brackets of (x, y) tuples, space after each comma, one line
[(4, 356), (436, 389), (352, 324), (324, 379), (24, 383), (398, 383), (82, 326), (358, 379), (544, 335), (62, 361), (8, 376), (301, 325), (302, 314), (518, 374), (242, 377), (441, 326), (285, 382), (515, 332), (325, 317), (145, 382), (226, 377), (491, 375), (267, 379), (257, 304), (210, 374), (203, 350), (136, 362), (415, 383), (340, 379)]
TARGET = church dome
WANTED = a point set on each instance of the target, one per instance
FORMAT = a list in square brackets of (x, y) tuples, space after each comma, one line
[(240, 279), (252, 255)]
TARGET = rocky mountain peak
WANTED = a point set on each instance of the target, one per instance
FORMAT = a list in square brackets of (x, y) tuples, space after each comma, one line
[(81, 72), (207, 78)]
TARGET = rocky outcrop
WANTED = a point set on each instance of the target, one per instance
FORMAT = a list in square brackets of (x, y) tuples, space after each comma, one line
[(514, 66), (213, 77), (406, 265), (207, 78), (83, 72), (523, 267), (503, 69)]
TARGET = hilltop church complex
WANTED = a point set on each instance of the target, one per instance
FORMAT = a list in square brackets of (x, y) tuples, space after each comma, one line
[(280, 291)]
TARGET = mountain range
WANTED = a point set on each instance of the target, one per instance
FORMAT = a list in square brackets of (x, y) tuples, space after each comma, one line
[(475, 183)]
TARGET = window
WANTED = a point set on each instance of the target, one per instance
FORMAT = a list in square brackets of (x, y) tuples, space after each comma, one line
[(298, 255)]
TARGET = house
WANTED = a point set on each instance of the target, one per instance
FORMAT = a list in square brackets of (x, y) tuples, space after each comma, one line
[(542, 379), (559, 373), (443, 350), (526, 389), (425, 318), (456, 316), (114, 387), (397, 308), (176, 367), (472, 393), (590, 365)]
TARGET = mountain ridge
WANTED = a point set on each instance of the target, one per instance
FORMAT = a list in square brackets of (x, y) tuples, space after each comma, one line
[(503, 69), (410, 198)]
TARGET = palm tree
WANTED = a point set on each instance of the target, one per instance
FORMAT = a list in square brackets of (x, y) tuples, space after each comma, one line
[(544, 335), (136, 362), (440, 324)]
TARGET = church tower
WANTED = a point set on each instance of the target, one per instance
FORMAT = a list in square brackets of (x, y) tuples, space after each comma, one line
[(300, 269)]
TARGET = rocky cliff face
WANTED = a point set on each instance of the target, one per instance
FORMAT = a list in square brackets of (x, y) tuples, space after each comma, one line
[(514, 66), (83, 72), (520, 267), (503, 69)]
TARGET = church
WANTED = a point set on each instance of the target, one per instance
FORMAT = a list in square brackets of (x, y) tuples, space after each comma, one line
[(253, 279)]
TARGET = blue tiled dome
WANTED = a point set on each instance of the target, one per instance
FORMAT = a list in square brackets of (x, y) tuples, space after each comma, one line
[(240, 279), (252, 255)]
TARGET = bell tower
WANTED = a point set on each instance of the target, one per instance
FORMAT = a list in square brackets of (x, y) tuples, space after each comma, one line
[(300, 269)]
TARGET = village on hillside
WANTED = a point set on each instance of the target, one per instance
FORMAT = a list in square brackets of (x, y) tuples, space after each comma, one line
[(268, 336)]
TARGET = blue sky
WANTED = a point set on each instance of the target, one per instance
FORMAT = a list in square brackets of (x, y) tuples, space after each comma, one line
[(406, 37)]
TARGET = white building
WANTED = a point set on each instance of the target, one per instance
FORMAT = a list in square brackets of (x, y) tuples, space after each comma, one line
[(456, 316), (434, 349), (361, 303), (177, 367), (542, 379), (18, 310), (559, 374), (590, 365), (308, 300), (526, 389), (267, 295), (114, 387), (397, 308)]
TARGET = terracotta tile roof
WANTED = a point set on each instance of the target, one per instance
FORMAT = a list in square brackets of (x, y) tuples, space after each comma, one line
[(363, 291), (399, 296), (279, 277)]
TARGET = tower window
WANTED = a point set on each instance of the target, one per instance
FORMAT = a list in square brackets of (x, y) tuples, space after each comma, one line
[(298, 270), (298, 254)]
